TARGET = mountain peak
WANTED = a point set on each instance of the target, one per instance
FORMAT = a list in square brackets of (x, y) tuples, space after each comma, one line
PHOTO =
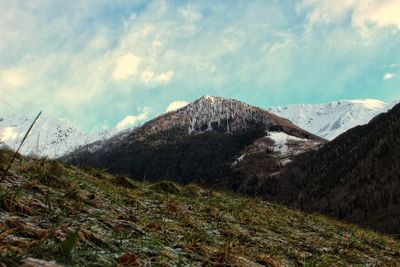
[(211, 113), (209, 97), (211, 100), (330, 119), (218, 114)]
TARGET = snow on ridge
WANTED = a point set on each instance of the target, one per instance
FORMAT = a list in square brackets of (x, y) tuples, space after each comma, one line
[(210, 98), (331, 119), (49, 137)]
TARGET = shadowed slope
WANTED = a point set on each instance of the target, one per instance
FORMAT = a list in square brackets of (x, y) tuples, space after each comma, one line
[(354, 177)]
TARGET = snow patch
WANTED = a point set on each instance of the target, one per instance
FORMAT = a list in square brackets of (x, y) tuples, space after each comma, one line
[(281, 140)]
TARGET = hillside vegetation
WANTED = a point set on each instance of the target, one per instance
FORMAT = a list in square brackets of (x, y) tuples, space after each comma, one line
[(87, 217), (355, 177)]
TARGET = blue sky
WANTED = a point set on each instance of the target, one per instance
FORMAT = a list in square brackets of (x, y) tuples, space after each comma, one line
[(99, 64)]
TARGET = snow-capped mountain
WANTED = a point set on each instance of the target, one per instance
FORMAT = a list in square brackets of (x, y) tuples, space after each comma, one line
[(49, 137), (210, 113), (209, 141), (331, 119)]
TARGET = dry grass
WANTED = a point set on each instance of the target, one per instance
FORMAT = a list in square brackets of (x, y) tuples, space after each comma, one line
[(90, 218)]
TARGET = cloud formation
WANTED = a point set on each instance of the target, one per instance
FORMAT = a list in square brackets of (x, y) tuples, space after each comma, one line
[(381, 13), (126, 66), (149, 77), (363, 13), (132, 120), (176, 105)]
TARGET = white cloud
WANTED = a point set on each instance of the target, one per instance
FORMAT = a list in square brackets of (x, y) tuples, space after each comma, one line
[(149, 76), (326, 11), (363, 13), (126, 66), (389, 76), (379, 13), (176, 105), (12, 78), (165, 77), (131, 120)]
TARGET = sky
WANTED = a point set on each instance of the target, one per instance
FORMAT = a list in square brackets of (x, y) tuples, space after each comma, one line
[(104, 64)]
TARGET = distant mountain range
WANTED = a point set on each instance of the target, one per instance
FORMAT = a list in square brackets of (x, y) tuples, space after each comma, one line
[(54, 138), (334, 118), (49, 137)]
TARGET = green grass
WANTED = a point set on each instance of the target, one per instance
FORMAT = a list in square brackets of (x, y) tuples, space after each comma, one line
[(88, 217)]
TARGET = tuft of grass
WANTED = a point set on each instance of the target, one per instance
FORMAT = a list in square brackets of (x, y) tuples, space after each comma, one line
[(166, 187), (195, 190), (124, 182), (12, 201)]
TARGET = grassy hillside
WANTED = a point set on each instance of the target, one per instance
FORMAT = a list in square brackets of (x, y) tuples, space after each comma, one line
[(88, 217)]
